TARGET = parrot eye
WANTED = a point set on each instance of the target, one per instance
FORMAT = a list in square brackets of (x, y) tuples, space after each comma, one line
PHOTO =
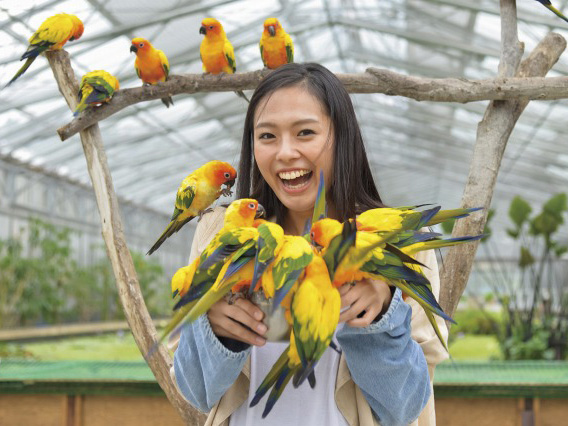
[(141, 45), (252, 206), (210, 27), (227, 175), (313, 235)]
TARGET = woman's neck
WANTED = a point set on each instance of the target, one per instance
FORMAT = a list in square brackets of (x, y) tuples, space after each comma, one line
[(295, 222)]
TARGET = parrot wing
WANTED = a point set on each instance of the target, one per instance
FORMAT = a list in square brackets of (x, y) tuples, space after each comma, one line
[(270, 240), (261, 46), (289, 48), (165, 62), (230, 55)]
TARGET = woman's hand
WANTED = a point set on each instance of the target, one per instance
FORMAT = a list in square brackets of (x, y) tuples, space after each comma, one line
[(230, 320), (371, 296)]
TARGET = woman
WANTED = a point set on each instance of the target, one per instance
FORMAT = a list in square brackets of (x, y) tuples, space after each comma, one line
[(301, 120)]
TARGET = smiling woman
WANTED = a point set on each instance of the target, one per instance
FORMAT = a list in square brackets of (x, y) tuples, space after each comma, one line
[(301, 121)]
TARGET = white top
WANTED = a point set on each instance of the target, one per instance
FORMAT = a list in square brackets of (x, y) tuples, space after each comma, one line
[(302, 406)]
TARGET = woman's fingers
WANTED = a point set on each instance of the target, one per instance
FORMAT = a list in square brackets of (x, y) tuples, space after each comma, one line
[(356, 308), (238, 321), (370, 314)]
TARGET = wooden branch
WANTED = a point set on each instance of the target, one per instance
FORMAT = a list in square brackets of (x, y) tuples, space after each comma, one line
[(374, 80), (126, 279), (492, 135)]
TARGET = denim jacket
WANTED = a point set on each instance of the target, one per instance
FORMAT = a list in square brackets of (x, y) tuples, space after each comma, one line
[(383, 373)]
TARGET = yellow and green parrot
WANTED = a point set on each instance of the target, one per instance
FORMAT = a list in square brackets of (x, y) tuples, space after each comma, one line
[(237, 230), (192, 282), (196, 193), (276, 47), (151, 65), (293, 257), (269, 244), (314, 310), (97, 87), (52, 34), (216, 51), (549, 6)]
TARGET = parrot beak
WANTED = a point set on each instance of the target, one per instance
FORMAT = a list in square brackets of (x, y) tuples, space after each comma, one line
[(230, 183), (133, 49), (260, 212), (202, 30), (271, 30)]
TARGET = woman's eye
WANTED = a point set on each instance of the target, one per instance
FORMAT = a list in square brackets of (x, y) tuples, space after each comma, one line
[(266, 136), (306, 132)]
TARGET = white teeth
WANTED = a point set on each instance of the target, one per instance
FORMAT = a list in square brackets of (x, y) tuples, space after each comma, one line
[(293, 175)]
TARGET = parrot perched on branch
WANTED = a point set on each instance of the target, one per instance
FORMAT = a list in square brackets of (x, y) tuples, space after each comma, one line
[(548, 5), (314, 310), (151, 64), (196, 193), (276, 47), (96, 88), (216, 51), (52, 34)]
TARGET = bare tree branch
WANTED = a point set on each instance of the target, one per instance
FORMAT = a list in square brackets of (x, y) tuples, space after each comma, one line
[(492, 135), (126, 279), (374, 80)]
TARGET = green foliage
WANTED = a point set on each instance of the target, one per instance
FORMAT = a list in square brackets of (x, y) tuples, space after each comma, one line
[(534, 297), (474, 321), (42, 283)]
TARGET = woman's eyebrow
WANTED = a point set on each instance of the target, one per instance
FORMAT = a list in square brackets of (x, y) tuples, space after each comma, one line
[(295, 123)]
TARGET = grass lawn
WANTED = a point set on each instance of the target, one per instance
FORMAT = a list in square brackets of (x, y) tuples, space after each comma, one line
[(475, 348), (121, 347), (108, 347)]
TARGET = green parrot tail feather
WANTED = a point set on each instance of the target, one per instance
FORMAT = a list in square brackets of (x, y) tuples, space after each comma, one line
[(22, 70), (241, 94), (277, 369), (173, 227)]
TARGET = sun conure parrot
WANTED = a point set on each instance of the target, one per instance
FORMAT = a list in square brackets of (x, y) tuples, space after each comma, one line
[(387, 218), (196, 193), (151, 65), (203, 271), (52, 34), (276, 47), (97, 87), (269, 244), (548, 5), (314, 310), (380, 263), (281, 274), (193, 281), (216, 51)]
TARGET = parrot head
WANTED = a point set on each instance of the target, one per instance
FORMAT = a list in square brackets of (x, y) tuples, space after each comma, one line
[(210, 26), (323, 231), (140, 44), (271, 25), (223, 173), (243, 212), (181, 280), (78, 28)]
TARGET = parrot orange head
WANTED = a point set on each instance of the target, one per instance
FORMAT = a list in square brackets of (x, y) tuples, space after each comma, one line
[(271, 26), (211, 27), (140, 44), (223, 173), (244, 211), (78, 28), (323, 231)]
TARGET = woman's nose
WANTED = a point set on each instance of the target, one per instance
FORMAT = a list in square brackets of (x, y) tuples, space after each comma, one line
[(288, 149)]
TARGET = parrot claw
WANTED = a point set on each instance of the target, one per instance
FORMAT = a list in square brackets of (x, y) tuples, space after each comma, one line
[(226, 192), (232, 298), (202, 212)]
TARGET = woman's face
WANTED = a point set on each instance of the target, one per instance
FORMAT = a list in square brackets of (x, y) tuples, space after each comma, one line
[(293, 141)]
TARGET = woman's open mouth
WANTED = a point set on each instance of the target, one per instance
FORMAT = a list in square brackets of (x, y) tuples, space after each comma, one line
[(295, 180)]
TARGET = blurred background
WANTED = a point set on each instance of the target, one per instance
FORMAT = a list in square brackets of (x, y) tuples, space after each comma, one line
[(53, 266)]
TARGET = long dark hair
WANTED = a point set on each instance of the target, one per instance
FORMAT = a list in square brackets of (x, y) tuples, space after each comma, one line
[(352, 188)]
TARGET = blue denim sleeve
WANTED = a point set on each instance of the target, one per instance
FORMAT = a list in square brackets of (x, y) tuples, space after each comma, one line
[(387, 365), (205, 368)]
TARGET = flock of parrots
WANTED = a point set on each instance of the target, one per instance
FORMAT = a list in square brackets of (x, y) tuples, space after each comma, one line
[(301, 274), (251, 254)]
